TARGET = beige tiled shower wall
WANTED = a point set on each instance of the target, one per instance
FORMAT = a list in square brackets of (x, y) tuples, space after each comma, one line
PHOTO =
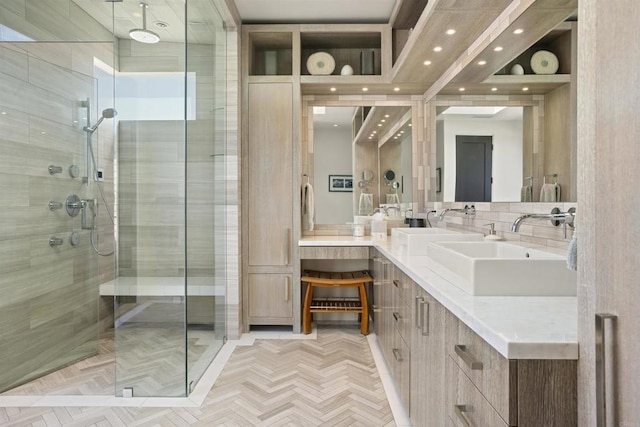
[(49, 303), (152, 174)]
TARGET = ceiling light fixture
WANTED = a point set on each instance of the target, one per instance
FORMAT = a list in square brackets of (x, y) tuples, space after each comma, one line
[(333, 89), (518, 31), (143, 35), (396, 89), (427, 62), (364, 89), (451, 31), (525, 89), (461, 89), (482, 62), (437, 49), (493, 89), (498, 48)]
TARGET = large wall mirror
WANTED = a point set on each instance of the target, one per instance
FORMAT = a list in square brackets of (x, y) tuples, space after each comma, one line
[(360, 158), (502, 152)]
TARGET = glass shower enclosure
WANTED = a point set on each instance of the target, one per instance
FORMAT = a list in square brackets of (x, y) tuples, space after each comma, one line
[(112, 174)]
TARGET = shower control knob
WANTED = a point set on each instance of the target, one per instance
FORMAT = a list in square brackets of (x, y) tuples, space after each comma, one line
[(74, 171), (74, 238)]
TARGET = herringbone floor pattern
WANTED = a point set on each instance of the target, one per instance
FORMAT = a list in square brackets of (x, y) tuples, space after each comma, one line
[(331, 381)]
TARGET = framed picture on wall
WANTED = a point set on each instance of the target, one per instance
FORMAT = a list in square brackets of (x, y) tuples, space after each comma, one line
[(438, 180), (341, 183)]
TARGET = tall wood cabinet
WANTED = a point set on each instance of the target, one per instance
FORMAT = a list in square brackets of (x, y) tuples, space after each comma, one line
[(269, 205)]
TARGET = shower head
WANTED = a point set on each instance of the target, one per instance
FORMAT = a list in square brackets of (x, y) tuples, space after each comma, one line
[(142, 34), (107, 113)]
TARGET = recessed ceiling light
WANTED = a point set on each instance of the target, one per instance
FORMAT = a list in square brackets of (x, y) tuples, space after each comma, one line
[(379, 124), (386, 116), (396, 89), (364, 89), (493, 89), (370, 137), (333, 89), (335, 125), (409, 124), (498, 48), (482, 62), (382, 121), (375, 131), (4, 113), (525, 89), (518, 31), (43, 132), (437, 49), (451, 31), (461, 89), (395, 137), (161, 24), (401, 131), (427, 62)]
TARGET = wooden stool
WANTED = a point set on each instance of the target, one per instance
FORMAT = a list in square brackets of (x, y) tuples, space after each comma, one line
[(336, 305)]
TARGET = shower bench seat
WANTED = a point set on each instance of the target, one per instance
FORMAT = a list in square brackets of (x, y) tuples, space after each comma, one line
[(161, 287)]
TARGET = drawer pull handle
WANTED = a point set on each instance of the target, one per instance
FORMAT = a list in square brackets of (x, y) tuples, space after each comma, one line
[(396, 316), (601, 381), (396, 354), (418, 301), (424, 315), (467, 358), (460, 411), (286, 288), (396, 283)]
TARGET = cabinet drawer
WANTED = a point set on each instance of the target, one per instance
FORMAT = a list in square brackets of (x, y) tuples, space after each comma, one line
[(334, 252), (403, 284), (400, 362), (494, 375), (401, 315), (465, 406)]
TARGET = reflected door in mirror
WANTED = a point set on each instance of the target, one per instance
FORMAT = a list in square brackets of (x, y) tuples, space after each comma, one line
[(473, 168)]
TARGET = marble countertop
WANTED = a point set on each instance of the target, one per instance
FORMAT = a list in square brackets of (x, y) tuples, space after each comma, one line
[(517, 327)]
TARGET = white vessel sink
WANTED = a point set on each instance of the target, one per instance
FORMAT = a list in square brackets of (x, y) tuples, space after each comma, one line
[(413, 241), (497, 268)]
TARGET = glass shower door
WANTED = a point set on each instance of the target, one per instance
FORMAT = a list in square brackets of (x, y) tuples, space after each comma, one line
[(205, 188)]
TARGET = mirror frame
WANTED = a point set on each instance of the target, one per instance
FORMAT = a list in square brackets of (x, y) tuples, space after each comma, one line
[(537, 132), (418, 145)]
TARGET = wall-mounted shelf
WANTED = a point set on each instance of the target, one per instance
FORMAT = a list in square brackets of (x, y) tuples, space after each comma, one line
[(270, 53), (273, 51)]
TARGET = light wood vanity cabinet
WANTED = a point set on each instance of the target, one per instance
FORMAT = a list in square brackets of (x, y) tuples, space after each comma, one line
[(391, 317), (446, 374), (484, 388), (428, 358)]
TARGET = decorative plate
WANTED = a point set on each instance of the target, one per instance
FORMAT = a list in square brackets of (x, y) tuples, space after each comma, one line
[(544, 62), (321, 63)]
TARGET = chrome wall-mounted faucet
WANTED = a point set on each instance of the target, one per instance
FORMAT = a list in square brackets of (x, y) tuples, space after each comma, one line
[(556, 217), (467, 210)]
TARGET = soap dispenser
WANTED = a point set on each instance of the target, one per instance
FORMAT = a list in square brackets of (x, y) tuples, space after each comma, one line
[(492, 233)]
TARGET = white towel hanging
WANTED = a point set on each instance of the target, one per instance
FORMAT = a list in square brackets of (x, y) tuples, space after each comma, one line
[(365, 204)]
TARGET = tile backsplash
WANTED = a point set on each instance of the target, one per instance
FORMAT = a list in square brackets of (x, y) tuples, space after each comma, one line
[(534, 232)]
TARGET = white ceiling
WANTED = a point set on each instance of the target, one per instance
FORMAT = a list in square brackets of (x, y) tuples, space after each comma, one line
[(315, 11)]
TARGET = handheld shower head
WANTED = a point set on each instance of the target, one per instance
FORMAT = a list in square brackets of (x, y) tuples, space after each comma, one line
[(107, 113)]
